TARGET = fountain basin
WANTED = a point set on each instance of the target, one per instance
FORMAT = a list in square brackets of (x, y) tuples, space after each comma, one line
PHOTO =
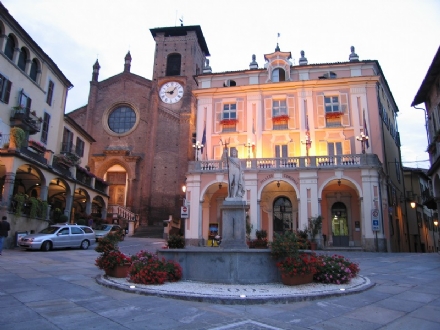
[(230, 266)]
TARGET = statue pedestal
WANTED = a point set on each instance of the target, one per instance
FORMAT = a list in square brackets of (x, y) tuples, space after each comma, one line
[(234, 224)]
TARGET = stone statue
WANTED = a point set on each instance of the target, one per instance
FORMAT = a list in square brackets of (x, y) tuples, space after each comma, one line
[(236, 187)]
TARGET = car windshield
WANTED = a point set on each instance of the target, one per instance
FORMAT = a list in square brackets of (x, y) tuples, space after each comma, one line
[(104, 227), (49, 230)]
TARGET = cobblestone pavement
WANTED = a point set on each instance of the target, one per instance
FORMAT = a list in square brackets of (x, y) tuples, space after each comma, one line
[(58, 290)]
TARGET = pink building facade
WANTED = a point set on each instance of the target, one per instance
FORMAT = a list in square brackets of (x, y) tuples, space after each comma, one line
[(313, 139)]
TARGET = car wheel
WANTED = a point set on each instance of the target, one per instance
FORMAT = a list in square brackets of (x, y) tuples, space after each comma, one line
[(46, 246), (85, 244)]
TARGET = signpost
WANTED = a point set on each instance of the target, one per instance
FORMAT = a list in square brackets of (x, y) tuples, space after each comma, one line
[(375, 219)]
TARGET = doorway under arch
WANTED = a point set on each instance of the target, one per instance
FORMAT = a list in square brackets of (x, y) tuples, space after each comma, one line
[(282, 215), (340, 224)]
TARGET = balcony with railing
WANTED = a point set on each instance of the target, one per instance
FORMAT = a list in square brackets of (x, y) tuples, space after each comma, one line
[(25, 119), (289, 163)]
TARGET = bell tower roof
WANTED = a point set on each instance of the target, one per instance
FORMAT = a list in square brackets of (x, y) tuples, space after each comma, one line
[(176, 31)]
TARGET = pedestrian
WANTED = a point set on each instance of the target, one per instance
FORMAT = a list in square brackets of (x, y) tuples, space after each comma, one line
[(4, 229)]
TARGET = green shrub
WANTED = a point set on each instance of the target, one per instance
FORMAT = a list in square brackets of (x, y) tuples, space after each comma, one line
[(63, 219), (108, 243), (176, 242), (34, 207), (81, 222), (285, 245), (261, 234)]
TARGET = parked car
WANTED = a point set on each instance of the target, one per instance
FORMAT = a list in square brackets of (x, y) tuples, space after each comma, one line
[(104, 229), (59, 236)]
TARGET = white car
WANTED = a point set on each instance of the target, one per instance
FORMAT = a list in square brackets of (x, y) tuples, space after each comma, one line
[(59, 236)]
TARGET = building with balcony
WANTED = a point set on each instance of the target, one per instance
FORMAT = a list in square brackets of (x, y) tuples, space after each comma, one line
[(313, 139), (421, 210), (429, 95), (40, 177)]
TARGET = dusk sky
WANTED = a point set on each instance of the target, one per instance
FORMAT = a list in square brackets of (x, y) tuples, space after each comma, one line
[(401, 34)]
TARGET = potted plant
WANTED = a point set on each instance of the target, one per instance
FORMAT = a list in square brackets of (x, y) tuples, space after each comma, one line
[(295, 267), (112, 261), (16, 138), (315, 225), (176, 242), (249, 227), (261, 241), (148, 268), (303, 238)]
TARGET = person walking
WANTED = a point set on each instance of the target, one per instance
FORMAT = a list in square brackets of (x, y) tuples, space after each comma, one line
[(4, 229)]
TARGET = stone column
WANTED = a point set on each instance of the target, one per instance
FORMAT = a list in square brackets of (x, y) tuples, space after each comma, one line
[(8, 189), (69, 203), (88, 207), (43, 192)]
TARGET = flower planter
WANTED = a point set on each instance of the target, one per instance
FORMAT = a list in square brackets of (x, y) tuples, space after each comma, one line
[(283, 119), (37, 148), (297, 279), (118, 271), (228, 121), (333, 114), (64, 164)]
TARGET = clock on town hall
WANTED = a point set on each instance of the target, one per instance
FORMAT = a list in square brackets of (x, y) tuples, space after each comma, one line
[(171, 92)]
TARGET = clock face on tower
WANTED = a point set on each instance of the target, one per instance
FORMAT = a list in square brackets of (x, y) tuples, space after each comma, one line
[(171, 92)]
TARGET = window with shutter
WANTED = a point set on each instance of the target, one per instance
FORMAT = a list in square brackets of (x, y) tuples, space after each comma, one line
[(45, 127), (5, 89), (50, 92)]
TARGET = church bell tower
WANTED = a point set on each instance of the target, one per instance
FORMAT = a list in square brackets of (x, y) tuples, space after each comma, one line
[(180, 54)]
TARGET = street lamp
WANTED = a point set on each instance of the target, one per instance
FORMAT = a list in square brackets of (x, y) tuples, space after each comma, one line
[(363, 138), (308, 143), (249, 145), (197, 146), (413, 205)]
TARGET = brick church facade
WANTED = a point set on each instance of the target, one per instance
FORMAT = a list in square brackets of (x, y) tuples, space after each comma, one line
[(143, 127)]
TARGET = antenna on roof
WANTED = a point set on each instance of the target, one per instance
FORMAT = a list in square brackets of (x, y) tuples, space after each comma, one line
[(181, 21)]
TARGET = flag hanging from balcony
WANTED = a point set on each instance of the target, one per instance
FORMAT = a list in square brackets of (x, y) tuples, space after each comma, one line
[(203, 139), (367, 144)]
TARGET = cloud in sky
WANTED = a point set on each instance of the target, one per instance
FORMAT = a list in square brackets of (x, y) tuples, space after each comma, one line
[(400, 34)]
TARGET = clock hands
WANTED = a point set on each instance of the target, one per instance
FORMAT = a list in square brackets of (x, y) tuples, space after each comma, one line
[(171, 92)]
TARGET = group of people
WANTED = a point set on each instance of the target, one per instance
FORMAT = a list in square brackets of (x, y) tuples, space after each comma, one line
[(4, 229)]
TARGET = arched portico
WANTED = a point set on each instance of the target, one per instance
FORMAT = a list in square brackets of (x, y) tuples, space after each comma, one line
[(341, 209)]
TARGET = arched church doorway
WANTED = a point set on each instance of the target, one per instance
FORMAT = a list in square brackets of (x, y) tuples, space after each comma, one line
[(282, 215), (117, 177), (339, 224)]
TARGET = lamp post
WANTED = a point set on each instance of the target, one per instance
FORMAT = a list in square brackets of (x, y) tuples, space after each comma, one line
[(435, 229), (197, 146), (363, 138), (308, 143), (249, 145)]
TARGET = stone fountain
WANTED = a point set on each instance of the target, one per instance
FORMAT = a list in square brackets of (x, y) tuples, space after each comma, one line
[(233, 262)]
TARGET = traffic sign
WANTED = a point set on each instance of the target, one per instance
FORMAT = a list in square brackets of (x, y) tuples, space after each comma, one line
[(375, 220), (184, 212)]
